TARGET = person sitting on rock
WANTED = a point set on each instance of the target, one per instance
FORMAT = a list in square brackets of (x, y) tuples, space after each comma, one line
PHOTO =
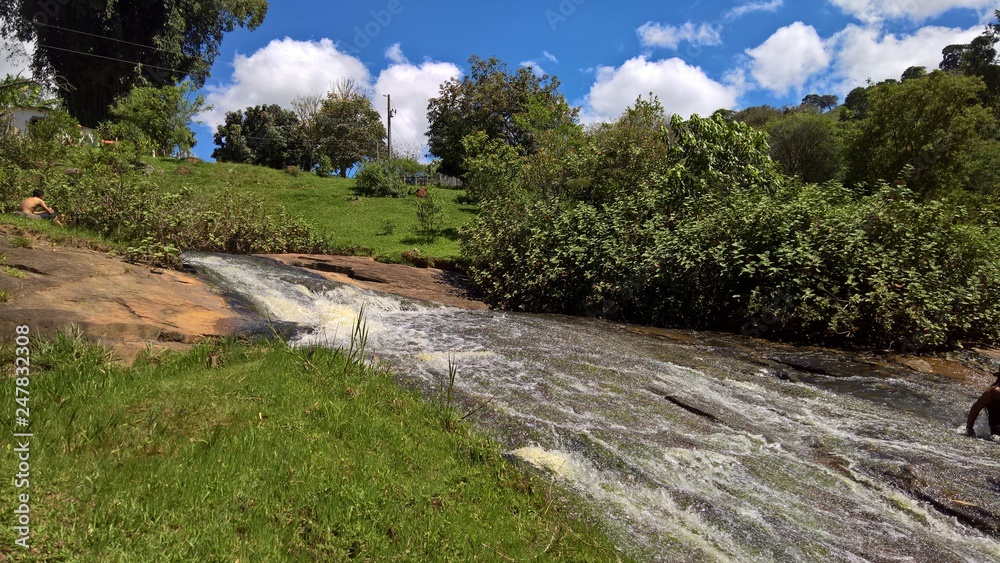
[(34, 207), (989, 400)]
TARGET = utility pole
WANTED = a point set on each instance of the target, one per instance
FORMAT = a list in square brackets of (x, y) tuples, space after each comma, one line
[(388, 123)]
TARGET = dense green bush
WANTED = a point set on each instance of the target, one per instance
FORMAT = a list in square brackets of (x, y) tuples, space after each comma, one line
[(719, 240), (379, 178)]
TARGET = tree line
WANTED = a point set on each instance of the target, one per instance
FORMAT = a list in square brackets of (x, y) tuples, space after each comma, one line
[(872, 223)]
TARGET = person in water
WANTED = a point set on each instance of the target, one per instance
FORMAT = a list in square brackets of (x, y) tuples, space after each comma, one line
[(34, 207), (989, 400)]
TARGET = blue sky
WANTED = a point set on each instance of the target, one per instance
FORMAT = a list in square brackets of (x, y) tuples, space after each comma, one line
[(695, 56)]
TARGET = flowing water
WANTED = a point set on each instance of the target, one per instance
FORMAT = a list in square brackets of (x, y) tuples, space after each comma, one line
[(696, 446)]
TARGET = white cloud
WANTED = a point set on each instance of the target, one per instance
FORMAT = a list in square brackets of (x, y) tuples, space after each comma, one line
[(744, 9), (279, 73), (395, 54), (872, 11), (411, 87), (863, 53), (550, 57), (669, 36), (681, 88), (788, 58), (536, 68)]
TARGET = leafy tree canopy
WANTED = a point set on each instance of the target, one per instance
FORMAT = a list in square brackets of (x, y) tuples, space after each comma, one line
[(97, 50), (349, 129), (924, 127), (158, 117), (821, 103), (512, 107), (263, 135), (17, 91)]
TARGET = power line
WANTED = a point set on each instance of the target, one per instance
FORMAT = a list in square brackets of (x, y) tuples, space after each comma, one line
[(184, 72), (109, 38)]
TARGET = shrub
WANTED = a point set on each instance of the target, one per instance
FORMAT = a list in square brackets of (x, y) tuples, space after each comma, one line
[(430, 217), (717, 239), (379, 179)]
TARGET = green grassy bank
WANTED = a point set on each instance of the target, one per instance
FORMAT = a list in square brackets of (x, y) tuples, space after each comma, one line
[(382, 227), (242, 451)]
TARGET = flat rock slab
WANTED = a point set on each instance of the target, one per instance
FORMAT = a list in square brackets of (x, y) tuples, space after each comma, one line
[(124, 306), (429, 284)]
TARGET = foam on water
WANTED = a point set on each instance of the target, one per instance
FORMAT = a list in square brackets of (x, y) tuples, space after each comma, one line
[(692, 453)]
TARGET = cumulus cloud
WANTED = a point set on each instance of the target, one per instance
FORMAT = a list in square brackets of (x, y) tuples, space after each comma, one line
[(550, 57), (865, 52), (411, 87), (744, 9), (788, 58), (279, 73), (872, 11), (670, 36), (395, 54), (681, 88)]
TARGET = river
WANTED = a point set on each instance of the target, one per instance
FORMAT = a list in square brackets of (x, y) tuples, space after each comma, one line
[(693, 446)]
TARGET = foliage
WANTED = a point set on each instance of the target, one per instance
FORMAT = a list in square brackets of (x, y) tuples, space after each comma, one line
[(806, 145), (926, 125), (430, 217), (158, 117), (265, 135), (978, 58), (714, 237), (757, 116), (821, 103), (183, 39), (48, 142), (379, 178), (511, 107), (349, 129), (324, 166), (16, 91)]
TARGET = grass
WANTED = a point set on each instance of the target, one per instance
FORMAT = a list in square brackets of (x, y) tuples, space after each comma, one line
[(18, 227), (382, 227), (254, 452)]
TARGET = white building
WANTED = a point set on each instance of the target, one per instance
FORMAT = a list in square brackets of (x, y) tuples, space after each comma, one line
[(22, 117)]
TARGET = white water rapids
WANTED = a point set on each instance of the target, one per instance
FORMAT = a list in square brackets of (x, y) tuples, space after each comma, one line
[(691, 450)]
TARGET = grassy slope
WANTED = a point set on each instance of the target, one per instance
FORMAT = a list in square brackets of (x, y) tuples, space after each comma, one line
[(253, 452), (329, 204)]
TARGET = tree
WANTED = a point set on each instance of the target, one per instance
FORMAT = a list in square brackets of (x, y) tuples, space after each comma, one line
[(925, 127), (821, 103), (99, 50), (855, 104), (913, 72), (512, 107), (158, 117), (757, 116), (262, 135), (978, 58), (350, 130), (307, 109), (806, 145)]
